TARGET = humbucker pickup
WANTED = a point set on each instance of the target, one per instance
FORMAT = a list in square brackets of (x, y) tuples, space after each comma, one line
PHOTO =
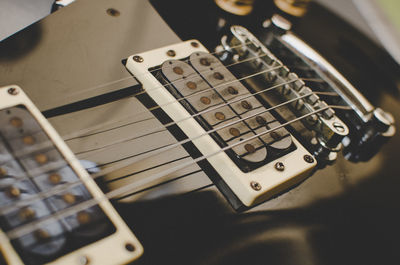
[(260, 127), (216, 111), (240, 115), (51, 209)]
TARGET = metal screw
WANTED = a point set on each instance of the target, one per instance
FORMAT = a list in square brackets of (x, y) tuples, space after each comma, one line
[(113, 12), (308, 159), (83, 260), (129, 247), (194, 44), (338, 126), (279, 166), (171, 53), (255, 185), (13, 91), (138, 59)]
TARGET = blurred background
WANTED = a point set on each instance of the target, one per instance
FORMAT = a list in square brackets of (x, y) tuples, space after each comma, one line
[(378, 19)]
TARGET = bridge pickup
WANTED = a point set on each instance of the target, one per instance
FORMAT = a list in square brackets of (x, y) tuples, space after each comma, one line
[(212, 93), (217, 111), (51, 210)]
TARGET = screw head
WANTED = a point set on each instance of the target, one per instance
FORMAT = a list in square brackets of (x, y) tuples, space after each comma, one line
[(308, 159), (279, 166), (129, 247), (13, 91), (339, 127), (113, 12), (194, 44), (171, 53), (138, 59), (83, 260), (255, 185)]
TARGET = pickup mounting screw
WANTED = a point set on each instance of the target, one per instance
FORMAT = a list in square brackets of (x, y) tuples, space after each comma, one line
[(171, 53), (83, 260), (138, 59), (129, 247), (194, 44), (279, 166), (113, 12), (308, 159), (13, 91), (255, 185)]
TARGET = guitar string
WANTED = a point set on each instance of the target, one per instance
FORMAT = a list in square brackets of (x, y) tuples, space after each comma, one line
[(93, 130), (207, 110), (193, 94), (82, 91), (162, 183), (218, 128), (212, 88), (215, 107), (159, 129), (75, 134), (78, 134), (32, 226), (174, 145), (45, 194), (235, 80)]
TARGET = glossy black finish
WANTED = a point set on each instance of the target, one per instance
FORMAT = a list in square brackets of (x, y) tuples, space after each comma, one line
[(309, 225), (359, 226)]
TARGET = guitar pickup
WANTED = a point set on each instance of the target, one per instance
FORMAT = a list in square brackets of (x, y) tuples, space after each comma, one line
[(51, 210), (251, 154), (231, 104)]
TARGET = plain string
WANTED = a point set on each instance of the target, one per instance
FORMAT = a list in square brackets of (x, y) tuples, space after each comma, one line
[(30, 227), (148, 154), (73, 136)]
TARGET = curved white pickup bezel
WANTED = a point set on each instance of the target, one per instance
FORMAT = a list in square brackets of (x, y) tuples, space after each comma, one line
[(108, 250), (271, 180)]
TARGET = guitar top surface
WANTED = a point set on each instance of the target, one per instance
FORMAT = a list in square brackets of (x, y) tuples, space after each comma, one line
[(69, 64)]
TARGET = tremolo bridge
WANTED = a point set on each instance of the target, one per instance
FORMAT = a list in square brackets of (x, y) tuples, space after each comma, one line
[(256, 127)]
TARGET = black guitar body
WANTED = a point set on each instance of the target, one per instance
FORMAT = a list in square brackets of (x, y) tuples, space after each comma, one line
[(346, 213)]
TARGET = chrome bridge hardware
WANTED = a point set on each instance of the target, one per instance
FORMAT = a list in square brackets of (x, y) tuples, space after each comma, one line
[(39, 180), (327, 130), (214, 109), (370, 127)]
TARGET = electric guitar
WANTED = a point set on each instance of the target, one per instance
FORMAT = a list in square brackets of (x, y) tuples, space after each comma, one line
[(199, 136)]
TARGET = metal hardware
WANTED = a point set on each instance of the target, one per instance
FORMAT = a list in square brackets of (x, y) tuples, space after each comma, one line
[(113, 12), (13, 91), (255, 185), (138, 59), (171, 53), (308, 159), (374, 126), (339, 127), (329, 128), (83, 260), (279, 166)]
